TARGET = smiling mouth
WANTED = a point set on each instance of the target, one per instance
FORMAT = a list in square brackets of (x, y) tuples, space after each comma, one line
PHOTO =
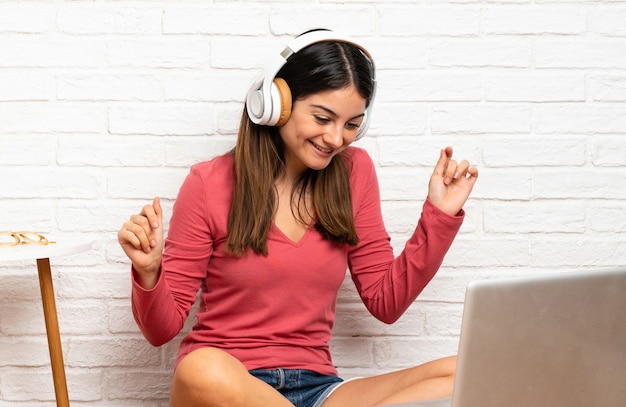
[(323, 150)]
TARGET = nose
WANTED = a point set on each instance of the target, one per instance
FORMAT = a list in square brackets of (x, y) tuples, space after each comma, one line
[(334, 137)]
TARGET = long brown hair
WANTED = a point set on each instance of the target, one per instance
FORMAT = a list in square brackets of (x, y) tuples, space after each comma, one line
[(259, 156)]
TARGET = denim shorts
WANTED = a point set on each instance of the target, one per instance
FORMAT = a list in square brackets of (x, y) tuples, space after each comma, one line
[(303, 388)]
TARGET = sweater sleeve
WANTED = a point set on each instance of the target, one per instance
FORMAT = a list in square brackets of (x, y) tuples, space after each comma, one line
[(388, 285), (161, 312)]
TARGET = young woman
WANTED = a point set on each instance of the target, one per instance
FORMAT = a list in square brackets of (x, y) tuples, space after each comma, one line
[(265, 234)]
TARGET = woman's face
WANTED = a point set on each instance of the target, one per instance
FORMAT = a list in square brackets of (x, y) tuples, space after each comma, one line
[(321, 126)]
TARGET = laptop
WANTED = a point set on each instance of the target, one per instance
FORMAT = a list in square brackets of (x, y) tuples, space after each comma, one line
[(552, 340)]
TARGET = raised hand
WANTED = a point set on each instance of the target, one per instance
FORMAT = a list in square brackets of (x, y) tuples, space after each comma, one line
[(141, 238), (451, 183)]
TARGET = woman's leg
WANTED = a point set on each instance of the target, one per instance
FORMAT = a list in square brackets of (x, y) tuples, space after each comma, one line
[(428, 381), (210, 377)]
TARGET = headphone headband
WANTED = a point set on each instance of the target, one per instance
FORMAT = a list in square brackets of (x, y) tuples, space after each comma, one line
[(261, 105)]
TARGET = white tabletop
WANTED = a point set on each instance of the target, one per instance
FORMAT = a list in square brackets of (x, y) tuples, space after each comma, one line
[(37, 251)]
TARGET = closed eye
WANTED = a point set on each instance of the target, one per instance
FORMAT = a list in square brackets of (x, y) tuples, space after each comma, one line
[(322, 119)]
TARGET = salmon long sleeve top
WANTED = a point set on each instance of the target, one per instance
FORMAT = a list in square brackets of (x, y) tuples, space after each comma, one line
[(279, 310)]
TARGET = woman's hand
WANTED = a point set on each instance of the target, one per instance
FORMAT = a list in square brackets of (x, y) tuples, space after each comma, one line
[(141, 239), (451, 183)]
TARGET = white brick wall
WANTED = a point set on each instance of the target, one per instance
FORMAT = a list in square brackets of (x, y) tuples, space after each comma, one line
[(105, 104)]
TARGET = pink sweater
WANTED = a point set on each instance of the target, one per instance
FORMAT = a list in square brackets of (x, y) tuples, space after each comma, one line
[(279, 310)]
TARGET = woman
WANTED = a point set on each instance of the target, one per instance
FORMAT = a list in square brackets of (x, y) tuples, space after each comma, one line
[(266, 232)]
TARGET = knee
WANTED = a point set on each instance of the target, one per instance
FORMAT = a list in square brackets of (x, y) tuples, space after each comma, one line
[(206, 377)]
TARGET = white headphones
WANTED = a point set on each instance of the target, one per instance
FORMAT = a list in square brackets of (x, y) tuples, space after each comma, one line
[(268, 101)]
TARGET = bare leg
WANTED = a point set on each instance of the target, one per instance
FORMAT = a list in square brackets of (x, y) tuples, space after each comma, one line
[(209, 377), (428, 381)]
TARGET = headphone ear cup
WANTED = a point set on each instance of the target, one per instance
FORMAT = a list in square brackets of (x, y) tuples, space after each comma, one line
[(284, 102)]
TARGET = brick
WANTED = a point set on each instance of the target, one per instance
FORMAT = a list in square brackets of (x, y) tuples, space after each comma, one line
[(608, 151), (479, 119), (419, 86), (544, 19), (536, 87), (608, 20), (217, 19), (181, 119), (580, 118), (109, 20), (108, 87), (429, 20), (26, 18), (49, 118), (54, 51), (535, 151), (608, 88), (159, 52), (580, 53), (480, 52), (26, 86), (535, 217)]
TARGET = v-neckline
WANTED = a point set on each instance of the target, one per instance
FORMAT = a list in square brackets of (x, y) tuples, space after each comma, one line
[(289, 240)]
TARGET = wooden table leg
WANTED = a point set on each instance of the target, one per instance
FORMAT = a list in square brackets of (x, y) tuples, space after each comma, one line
[(52, 329)]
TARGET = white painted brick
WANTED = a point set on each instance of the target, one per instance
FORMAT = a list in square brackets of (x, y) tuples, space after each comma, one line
[(41, 117), (145, 183), (116, 351), (608, 20), (548, 19), (121, 86), (397, 53), (23, 86), (535, 217), (215, 86), (217, 19), (606, 217), (30, 351), (22, 318), (186, 151), (480, 118), (576, 251), (161, 52), (44, 182), (608, 88), (52, 51), (580, 53), (412, 86), (534, 151), (579, 183), (40, 149), (162, 119), (424, 150), (397, 353), (138, 385), (28, 385), (535, 87), (355, 321), (295, 20), (111, 151), (352, 352), (480, 52), (429, 20), (608, 151), (94, 19), (120, 318), (580, 118), (398, 119), (25, 18)]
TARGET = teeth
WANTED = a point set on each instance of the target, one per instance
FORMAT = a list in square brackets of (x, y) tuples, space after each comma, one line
[(321, 149)]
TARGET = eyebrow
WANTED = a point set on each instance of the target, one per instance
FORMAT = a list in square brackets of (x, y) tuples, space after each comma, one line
[(330, 112)]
